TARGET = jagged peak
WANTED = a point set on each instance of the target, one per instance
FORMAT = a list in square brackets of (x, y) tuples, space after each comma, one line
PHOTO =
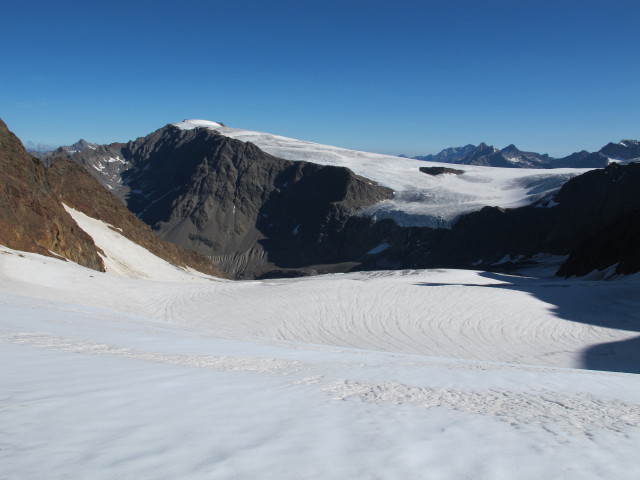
[(510, 148), (483, 147)]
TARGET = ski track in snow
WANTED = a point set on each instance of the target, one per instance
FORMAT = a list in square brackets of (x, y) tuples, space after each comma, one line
[(442, 313), (556, 412), (216, 362)]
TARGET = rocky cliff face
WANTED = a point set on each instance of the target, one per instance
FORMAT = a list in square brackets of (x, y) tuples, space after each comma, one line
[(74, 187), (616, 245), (249, 211), (31, 217)]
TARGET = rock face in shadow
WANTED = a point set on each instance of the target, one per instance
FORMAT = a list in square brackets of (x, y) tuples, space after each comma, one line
[(75, 187), (226, 199), (441, 171), (617, 244), (31, 217), (592, 201)]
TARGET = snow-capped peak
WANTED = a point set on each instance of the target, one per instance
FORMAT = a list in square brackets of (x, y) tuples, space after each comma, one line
[(194, 123)]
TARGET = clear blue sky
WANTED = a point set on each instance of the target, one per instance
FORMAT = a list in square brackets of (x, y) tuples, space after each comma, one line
[(388, 76)]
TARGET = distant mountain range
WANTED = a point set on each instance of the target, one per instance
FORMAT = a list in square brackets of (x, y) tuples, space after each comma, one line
[(512, 157)]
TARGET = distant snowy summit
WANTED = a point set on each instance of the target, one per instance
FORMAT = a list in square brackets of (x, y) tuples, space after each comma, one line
[(511, 157)]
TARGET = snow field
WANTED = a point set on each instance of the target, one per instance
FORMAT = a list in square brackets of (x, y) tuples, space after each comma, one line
[(104, 393), (443, 313), (148, 371)]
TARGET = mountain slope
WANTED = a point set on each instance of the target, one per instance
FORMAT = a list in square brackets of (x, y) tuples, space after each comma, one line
[(76, 188), (31, 217), (616, 247), (231, 201), (418, 200)]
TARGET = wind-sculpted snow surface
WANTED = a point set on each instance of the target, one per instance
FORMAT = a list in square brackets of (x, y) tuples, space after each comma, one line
[(411, 374), (420, 200)]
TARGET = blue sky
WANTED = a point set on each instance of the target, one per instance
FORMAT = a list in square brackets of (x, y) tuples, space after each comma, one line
[(387, 76)]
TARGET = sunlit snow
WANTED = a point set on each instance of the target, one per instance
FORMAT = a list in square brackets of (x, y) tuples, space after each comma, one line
[(126, 258)]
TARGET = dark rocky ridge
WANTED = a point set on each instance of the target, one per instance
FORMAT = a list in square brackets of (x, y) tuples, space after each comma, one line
[(441, 171), (616, 244), (249, 211)]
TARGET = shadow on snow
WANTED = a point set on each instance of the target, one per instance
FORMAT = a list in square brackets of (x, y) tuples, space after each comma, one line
[(611, 304)]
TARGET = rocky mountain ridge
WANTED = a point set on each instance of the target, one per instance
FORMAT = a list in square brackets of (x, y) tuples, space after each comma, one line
[(249, 211), (259, 215), (32, 216)]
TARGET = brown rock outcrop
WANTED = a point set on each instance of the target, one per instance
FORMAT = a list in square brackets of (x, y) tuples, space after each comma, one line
[(31, 217)]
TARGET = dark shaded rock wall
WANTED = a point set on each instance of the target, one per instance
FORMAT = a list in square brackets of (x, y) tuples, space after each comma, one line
[(75, 187), (231, 201), (617, 244)]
